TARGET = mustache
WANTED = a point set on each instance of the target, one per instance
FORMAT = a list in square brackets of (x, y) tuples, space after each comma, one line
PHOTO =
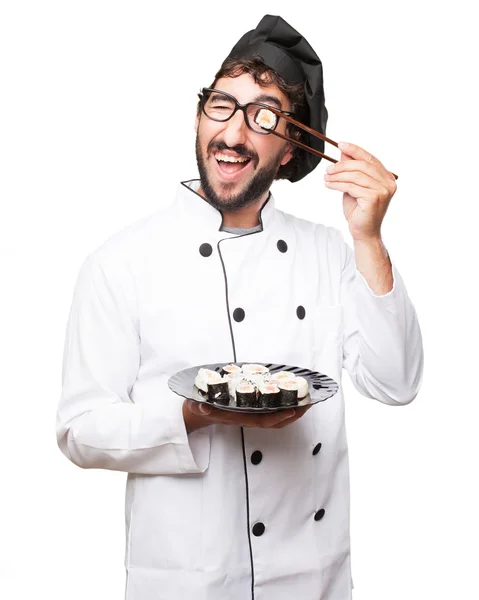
[(239, 149)]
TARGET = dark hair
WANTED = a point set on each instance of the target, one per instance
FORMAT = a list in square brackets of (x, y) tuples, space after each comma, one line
[(264, 76)]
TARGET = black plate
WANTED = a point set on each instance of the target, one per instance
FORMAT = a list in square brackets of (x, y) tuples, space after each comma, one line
[(321, 387)]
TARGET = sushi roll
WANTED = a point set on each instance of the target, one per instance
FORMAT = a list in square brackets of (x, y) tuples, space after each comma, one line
[(283, 376), (303, 387), (269, 395), (256, 378), (231, 370), (288, 393), (234, 380), (204, 377), (218, 392), (266, 119), (253, 369), (246, 395)]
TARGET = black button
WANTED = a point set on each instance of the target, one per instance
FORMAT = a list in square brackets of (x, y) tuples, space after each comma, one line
[(258, 529), (301, 312), (319, 515), (238, 315), (282, 246), (317, 448), (206, 250), (256, 457)]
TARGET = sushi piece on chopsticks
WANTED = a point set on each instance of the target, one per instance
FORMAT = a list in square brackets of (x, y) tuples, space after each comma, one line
[(266, 119)]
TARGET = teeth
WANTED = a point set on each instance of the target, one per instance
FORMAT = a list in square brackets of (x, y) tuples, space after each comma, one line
[(232, 159)]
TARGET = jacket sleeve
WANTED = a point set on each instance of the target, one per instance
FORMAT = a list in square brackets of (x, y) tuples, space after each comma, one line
[(107, 416), (382, 346)]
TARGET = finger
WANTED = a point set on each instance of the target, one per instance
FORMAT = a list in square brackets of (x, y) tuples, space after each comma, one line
[(284, 423), (376, 170), (356, 191), (354, 165), (356, 177), (302, 410), (199, 408), (299, 412), (193, 407), (228, 417), (280, 417), (265, 421), (241, 419), (358, 153), (262, 420)]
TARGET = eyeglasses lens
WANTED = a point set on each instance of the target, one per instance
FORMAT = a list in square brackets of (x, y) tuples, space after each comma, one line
[(220, 108)]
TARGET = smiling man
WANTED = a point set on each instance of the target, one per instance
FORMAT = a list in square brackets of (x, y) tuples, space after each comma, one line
[(223, 504)]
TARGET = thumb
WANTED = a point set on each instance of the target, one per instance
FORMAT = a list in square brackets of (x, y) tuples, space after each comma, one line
[(205, 409), (194, 407)]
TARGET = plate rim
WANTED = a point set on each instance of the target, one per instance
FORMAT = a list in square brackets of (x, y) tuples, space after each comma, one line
[(250, 409)]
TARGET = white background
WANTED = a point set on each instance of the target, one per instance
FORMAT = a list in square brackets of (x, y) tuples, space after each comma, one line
[(89, 144)]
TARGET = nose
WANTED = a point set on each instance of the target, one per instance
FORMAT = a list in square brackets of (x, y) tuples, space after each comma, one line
[(236, 129)]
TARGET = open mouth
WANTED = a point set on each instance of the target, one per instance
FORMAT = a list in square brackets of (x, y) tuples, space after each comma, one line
[(231, 166)]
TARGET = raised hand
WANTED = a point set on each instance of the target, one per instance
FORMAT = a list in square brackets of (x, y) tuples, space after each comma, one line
[(367, 188)]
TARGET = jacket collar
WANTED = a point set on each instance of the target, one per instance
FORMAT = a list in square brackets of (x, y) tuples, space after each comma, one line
[(195, 208)]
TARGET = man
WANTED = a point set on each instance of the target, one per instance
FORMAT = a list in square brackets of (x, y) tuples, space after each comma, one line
[(222, 505)]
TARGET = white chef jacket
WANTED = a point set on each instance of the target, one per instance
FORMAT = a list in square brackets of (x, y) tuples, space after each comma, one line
[(228, 512)]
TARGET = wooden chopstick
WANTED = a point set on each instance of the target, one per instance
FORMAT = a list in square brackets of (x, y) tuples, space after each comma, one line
[(301, 145), (309, 130)]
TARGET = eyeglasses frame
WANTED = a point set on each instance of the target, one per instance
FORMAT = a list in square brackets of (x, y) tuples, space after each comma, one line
[(242, 107)]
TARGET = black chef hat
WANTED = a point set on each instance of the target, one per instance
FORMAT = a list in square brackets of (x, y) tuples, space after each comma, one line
[(288, 53)]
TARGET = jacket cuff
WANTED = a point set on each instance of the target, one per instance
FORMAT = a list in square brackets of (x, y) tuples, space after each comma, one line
[(192, 450)]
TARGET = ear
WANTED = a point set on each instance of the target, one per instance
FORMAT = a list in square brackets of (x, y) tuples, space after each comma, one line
[(288, 154), (197, 122)]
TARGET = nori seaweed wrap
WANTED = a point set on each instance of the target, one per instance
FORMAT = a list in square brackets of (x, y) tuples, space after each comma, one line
[(246, 396), (288, 393), (269, 395), (218, 392)]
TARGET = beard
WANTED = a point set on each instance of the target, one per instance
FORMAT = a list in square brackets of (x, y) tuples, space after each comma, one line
[(256, 187)]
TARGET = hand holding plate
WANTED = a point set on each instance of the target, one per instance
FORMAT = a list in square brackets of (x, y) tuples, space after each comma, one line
[(198, 415)]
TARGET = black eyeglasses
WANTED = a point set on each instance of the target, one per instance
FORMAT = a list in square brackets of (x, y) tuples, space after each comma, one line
[(220, 106)]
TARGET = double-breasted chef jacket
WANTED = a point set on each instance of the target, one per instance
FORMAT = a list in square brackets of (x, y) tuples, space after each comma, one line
[(227, 512)]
